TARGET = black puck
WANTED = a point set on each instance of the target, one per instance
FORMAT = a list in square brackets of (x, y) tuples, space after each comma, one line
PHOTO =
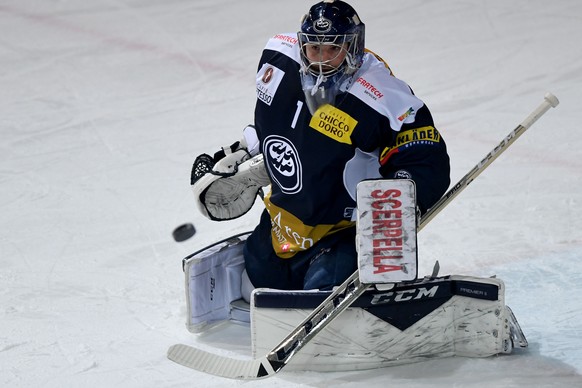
[(183, 232)]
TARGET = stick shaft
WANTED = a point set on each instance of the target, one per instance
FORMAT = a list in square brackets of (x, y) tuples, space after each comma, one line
[(550, 101)]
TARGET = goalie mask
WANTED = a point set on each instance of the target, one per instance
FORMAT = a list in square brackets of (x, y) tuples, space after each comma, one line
[(331, 49)]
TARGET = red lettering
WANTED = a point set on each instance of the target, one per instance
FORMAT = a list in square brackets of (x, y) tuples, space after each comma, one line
[(381, 268), (385, 194), (387, 242), (378, 251), (379, 225), (378, 215), (392, 233), (286, 38)]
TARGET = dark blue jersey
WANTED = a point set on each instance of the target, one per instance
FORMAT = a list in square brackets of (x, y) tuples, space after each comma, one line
[(375, 127)]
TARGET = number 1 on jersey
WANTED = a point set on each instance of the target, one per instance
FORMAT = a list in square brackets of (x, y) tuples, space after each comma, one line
[(296, 117)]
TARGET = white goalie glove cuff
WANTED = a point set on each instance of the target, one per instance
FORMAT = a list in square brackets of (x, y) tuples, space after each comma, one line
[(227, 188), (230, 189), (250, 140)]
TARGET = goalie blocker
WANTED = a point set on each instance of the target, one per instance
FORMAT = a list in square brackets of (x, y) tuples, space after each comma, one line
[(386, 237)]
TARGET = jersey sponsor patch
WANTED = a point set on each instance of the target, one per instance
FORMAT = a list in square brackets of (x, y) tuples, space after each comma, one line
[(269, 78), (290, 235), (334, 123), (286, 44), (405, 115), (370, 89), (416, 136)]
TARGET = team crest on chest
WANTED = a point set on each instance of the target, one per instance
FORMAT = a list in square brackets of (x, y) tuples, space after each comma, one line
[(283, 163)]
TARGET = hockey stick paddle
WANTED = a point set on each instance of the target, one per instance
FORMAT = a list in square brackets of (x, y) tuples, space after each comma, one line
[(340, 299)]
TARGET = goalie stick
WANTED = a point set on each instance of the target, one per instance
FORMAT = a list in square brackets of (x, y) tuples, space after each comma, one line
[(340, 299)]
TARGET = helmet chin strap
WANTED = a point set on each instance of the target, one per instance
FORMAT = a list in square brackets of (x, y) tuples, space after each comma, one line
[(320, 79)]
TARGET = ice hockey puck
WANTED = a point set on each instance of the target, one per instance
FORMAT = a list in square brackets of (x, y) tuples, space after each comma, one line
[(183, 232)]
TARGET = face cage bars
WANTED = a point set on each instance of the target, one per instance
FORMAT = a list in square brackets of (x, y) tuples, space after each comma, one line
[(347, 43)]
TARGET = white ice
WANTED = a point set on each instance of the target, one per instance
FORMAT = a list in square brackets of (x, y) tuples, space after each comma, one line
[(105, 104)]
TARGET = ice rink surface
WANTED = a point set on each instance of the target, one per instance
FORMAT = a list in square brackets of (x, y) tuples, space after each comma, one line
[(105, 104)]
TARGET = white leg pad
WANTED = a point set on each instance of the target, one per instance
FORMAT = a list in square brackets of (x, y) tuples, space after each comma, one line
[(443, 317), (213, 281)]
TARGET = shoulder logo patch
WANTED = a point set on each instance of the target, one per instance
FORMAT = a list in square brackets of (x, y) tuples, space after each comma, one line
[(405, 115), (269, 78)]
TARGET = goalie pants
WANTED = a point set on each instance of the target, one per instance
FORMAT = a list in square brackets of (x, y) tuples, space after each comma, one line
[(327, 264)]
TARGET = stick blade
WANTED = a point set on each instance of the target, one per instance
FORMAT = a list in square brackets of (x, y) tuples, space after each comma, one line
[(218, 365)]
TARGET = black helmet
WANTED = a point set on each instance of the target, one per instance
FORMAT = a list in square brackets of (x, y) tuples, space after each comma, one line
[(333, 23)]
